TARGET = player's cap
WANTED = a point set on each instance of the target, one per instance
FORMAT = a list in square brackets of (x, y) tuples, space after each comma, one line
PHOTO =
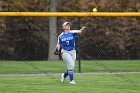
[(65, 23)]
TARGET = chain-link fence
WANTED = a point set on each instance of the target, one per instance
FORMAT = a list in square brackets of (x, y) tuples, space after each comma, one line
[(108, 51), (109, 44)]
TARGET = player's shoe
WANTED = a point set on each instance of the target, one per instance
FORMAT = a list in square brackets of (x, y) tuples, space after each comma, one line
[(62, 78), (72, 82)]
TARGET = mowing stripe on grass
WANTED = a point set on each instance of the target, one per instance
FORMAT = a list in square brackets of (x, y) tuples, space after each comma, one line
[(90, 83), (47, 74)]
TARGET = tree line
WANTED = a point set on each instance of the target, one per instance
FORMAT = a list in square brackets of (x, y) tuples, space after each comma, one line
[(28, 38)]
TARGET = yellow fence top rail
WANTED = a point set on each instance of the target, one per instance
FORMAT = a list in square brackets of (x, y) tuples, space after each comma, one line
[(76, 14)]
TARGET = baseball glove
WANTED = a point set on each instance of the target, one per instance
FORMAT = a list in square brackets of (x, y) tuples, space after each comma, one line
[(56, 52)]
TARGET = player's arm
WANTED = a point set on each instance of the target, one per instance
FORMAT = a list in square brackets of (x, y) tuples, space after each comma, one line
[(58, 46), (79, 31)]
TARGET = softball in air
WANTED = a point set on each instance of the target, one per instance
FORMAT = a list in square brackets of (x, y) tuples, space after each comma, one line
[(94, 9)]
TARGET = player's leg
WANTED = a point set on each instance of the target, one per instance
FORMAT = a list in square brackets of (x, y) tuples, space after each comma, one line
[(64, 75), (70, 65), (73, 55)]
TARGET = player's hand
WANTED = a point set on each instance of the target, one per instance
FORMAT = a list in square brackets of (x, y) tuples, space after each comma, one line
[(83, 28), (57, 52)]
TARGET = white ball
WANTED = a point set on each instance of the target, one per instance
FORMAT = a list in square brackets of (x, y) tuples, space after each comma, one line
[(94, 9)]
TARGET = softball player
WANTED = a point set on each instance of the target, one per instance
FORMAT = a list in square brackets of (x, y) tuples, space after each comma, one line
[(66, 40)]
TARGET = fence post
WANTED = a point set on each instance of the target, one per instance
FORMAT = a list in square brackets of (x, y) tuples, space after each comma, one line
[(79, 55)]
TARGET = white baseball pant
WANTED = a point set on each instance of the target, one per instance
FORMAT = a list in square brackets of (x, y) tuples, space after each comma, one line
[(69, 57)]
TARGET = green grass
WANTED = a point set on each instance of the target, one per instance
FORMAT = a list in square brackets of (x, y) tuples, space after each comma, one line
[(90, 83), (86, 83), (12, 67)]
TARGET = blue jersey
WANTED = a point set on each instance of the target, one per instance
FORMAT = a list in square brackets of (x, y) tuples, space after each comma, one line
[(67, 41)]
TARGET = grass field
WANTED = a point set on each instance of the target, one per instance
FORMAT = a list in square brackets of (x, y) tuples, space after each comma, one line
[(13, 67), (90, 83), (85, 83)]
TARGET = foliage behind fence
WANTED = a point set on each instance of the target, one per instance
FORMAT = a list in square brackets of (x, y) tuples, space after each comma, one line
[(27, 38)]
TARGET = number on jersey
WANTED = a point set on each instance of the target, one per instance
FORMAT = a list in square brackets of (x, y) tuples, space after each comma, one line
[(67, 42)]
